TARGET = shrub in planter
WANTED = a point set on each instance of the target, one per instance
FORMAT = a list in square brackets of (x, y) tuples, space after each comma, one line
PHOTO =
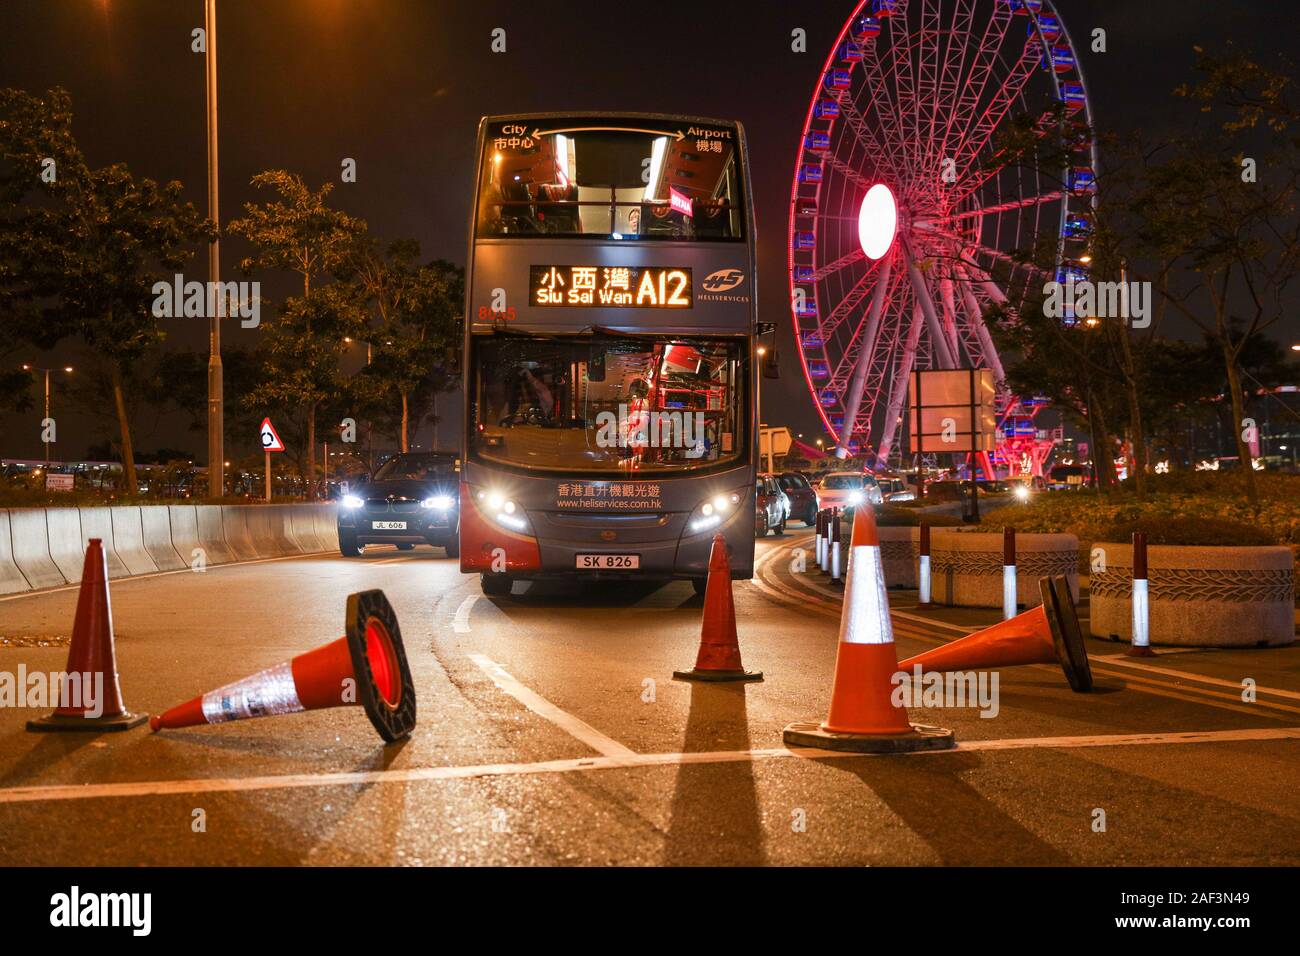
[(1198, 532)]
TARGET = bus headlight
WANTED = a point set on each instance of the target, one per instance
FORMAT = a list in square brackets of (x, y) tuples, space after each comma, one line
[(503, 512), (352, 501), (712, 512), (439, 502)]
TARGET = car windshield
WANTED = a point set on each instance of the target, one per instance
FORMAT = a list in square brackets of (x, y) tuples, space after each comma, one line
[(417, 468), (790, 482), (611, 178), (616, 404), (842, 482)]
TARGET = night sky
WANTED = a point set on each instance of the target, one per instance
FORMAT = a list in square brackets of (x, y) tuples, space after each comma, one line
[(399, 85)]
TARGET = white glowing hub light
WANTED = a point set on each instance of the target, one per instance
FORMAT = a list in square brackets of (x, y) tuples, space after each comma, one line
[(877, 221)]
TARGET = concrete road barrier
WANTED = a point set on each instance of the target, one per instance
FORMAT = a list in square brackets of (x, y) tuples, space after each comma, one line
[(128, 539), (327, 527), (899, 547), (155, 521), (1198, 596), (11, 578), (966, 566), (238, 538), (266, 531), (29, 535), (184, 524), (303, 520), (212, 535), (66, 550), (98, 523)]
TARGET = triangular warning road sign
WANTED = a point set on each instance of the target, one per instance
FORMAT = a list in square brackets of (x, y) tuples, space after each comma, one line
[(270, 438)]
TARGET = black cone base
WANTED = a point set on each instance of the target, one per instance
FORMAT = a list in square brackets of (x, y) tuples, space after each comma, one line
[(55, 723), (393, 723), (921, 737), (1067, 636)]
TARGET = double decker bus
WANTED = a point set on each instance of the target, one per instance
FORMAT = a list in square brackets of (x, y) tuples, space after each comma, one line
[(610, 364)]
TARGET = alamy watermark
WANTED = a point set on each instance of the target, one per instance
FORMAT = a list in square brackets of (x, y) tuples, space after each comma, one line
[(953, 689), (1084, 299), (204, 300), (652, 429), (58, 689)]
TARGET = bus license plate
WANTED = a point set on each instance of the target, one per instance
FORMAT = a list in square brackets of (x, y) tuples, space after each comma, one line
[(388, 525), (609, 562)]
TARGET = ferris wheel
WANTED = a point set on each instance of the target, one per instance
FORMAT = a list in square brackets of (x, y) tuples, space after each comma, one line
[(904, 226)]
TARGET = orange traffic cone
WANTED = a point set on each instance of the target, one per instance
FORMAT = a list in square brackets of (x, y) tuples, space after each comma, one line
[(864, 717), (91, 675), (1047, 634), (719, 656), (366, 666)]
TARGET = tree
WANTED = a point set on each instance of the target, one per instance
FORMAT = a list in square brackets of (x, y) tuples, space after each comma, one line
[(415, 312), (299, 233), (299, 361), (1223, 209), (83, 247)]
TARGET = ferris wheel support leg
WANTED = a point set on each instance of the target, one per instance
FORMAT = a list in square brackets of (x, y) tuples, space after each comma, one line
[(976, 319), (898, 388), (870, 332), (937, 338), (949, 314)]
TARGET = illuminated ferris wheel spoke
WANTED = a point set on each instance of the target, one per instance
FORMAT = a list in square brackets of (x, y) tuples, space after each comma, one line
[(975, 316), (870, 334), (926, 301), (843, 262), (898, 387)]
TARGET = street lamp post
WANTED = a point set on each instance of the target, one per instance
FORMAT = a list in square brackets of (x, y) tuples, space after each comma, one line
[(47, 371), (216, 410)]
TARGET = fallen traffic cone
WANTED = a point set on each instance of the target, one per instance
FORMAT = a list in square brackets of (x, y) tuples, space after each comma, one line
[(1047, 634), (864, 717), (719, 656), (91, 674), (366, 666)]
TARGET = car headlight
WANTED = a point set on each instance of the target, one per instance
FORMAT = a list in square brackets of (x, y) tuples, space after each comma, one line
[(1022, 492), (439, 502), (711, 512), (855, 497), (503, 512), (352, 501)]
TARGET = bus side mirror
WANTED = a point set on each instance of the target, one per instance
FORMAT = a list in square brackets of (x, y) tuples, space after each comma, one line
[(770, 367)]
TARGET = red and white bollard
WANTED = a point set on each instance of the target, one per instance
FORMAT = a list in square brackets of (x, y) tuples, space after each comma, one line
[(1008, 573), (923, 567), (836, 549), (819, 547), (1141, 646)]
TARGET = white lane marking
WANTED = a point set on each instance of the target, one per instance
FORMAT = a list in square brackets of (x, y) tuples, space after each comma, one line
[(161, 574), (575, 727), (1171, 672), (158, 788), (461, 623)]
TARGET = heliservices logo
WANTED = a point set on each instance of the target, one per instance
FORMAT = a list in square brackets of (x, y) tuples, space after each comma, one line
[(134, 910), (717, 283)]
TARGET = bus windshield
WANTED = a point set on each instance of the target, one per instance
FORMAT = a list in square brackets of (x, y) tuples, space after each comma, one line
[(576, 178), (608, 404)]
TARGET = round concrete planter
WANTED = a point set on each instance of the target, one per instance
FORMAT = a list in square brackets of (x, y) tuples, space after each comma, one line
[(966, 566), (1199, 596), (898, 551)]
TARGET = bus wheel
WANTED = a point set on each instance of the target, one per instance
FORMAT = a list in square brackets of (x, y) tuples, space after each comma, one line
[(496, 585), (348, 546), (405, 546), (700, 585)]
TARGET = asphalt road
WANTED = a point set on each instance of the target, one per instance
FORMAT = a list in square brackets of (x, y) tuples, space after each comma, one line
[(551, 732)]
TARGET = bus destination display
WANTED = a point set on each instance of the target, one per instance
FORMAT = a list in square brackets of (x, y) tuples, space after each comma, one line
[(611, 287)]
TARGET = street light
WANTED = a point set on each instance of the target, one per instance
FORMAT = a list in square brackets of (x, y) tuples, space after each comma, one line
[(216, 398), (27, 367)]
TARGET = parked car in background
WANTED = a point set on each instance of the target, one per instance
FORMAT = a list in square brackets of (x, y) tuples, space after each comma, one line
[(771, 506), (896, 489), (802, 495), (411, 499), (844, 489)]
